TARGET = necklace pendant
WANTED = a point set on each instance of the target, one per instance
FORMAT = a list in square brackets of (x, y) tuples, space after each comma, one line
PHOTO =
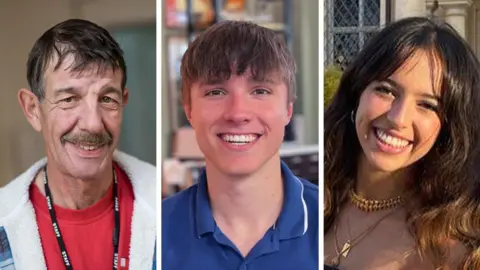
[(335, 262), (346, 249)]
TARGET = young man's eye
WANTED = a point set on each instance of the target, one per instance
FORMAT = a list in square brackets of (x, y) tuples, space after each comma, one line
[(261, 91), (215, 92)]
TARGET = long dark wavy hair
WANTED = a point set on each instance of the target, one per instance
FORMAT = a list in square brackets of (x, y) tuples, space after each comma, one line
[(445, 174)]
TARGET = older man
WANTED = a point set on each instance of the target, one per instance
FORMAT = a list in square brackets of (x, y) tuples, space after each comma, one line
[(86, 205)]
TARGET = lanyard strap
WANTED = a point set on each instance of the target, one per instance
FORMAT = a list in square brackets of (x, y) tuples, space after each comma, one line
[(58, 234)]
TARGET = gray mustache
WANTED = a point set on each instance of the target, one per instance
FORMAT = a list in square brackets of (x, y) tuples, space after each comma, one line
[(88, 138)]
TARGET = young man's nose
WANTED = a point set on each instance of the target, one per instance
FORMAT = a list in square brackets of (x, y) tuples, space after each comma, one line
[(238, 109)]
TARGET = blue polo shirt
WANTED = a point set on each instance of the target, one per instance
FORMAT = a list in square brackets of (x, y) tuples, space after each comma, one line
[(192, 241)]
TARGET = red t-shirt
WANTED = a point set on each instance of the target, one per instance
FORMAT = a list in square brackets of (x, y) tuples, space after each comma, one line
[(87, 233)]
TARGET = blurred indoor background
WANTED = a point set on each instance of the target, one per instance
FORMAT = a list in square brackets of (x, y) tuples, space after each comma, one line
[(132, 23), (297, 22)]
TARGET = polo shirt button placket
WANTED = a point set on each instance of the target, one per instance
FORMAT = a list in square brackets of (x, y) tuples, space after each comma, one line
[(243, 267)]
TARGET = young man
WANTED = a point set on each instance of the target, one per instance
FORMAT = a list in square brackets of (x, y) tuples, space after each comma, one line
[(86, 205), (248, 211)]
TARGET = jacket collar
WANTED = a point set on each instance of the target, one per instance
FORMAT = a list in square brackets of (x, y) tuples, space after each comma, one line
[(17, 215), (141, 175)]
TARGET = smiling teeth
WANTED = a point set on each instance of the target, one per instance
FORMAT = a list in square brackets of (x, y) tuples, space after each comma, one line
[(390, 140), (239, 139), (88, 147)]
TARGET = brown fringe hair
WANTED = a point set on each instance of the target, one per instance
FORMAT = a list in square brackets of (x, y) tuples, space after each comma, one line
[(241, 45)]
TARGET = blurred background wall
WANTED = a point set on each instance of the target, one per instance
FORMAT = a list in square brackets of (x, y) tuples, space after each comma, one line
[(132, 23)]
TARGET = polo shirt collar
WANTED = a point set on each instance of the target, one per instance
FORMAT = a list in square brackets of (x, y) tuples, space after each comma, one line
[(293, 219), (203, 211)]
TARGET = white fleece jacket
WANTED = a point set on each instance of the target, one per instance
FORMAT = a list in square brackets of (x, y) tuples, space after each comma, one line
[(17, 217)]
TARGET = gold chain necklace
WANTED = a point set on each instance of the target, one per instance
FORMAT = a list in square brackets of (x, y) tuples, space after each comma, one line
[(373, 205), (349, 244)]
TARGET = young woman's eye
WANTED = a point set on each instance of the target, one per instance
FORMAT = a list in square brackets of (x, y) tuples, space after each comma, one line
[(384, 90), (429, 106)]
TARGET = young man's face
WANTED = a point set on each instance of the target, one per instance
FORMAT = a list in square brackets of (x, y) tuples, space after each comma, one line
[(239, 123)]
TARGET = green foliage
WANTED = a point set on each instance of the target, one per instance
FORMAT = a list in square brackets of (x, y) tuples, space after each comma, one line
[(332, 77)]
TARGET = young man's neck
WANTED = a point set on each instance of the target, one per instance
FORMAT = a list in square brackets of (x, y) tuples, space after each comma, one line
[(250, 202), (73, 193), (379, 185)]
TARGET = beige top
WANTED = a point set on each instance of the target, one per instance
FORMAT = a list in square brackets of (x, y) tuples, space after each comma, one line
[(388, 246)]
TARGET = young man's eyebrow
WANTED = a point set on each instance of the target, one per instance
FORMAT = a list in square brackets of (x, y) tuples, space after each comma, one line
[(268, 80), (211, 81)]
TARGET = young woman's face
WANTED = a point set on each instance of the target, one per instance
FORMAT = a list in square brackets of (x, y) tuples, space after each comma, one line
[(397, 120)]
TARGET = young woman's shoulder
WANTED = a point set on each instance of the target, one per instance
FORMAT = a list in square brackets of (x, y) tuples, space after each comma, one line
[(457, 253)]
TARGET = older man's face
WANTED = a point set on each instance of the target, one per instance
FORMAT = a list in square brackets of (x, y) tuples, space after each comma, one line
[(80, 118)]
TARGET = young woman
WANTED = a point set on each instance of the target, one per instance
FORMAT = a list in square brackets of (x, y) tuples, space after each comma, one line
[(400, 136)]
